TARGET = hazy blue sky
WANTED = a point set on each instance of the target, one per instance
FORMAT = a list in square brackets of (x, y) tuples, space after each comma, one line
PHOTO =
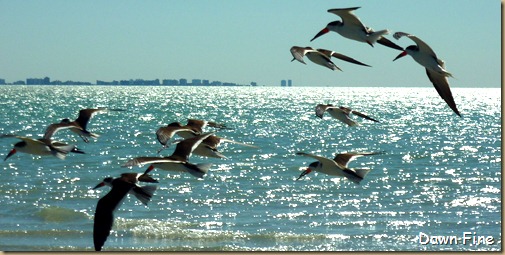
[(242, 41)]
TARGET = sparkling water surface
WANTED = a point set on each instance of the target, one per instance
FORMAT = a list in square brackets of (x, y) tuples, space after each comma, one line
[(439, 174)]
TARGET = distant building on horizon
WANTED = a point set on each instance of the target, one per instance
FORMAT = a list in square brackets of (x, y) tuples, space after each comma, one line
[(38, 81), (285, 83), (170, 82)]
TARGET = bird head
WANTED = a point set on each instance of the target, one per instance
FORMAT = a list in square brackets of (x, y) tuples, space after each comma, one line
[(106, 181)]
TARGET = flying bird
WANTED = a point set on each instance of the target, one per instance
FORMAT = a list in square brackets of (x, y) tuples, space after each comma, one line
[(41, 147), (435, 67), (178, 161), (320, 57), (164, 134), (194, 127), (198, 125), (208, 147), (108, 204), (79, 125), (337, 166), (352, 28), (340, 113)]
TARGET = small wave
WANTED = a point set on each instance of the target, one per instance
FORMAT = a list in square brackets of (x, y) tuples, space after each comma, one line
[(59, 214)]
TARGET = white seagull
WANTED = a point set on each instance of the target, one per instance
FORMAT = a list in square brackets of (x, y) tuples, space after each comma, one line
[(435, 67), (320, 57), (351, 27), (337, 166), (341, 113)]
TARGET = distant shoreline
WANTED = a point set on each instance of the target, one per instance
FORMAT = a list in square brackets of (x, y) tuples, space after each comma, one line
[(256, 86)]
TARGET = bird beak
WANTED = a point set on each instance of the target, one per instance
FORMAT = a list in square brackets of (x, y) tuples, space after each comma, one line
[(403, 54), (322, 32), (149, 169), (101, 184), (12, 152), (304, 173)]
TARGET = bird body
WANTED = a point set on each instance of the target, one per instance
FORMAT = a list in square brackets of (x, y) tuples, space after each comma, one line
[(337, 166), (352, 28), (178, 161), (108, 204), (40, 147), (341, 113), (435, 67), (321, 57)]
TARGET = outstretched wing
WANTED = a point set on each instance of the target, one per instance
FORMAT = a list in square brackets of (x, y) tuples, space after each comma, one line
[(55, 127), (348, 17), (441, 84), (363, 116), (344, 158), (324, 161), (187, 146), (340, 56), (86, 114), (420, 43), (298, 53)]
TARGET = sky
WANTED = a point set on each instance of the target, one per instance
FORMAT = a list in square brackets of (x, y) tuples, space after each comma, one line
[(243, 41)]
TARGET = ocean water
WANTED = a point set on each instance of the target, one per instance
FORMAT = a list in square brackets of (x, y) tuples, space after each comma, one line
[(439, 176)]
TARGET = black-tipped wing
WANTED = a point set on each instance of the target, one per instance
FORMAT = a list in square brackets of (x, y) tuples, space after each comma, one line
[(187, 146), (164, 134), (384, 41), (323, 160), (348, 18), (344, 158), (348, 59), (420, 43), (104, 213), (197, 125), (86, 114), (363, 116), (441, 84), (53, 128)]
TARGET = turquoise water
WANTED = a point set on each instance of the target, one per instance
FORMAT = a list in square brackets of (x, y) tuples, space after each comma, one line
[(440, 174)]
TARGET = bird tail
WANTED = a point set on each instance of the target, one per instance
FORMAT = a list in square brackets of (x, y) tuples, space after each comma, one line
[(144, 193), (358, 175), (374, 36), (61, 152), (199, 170)]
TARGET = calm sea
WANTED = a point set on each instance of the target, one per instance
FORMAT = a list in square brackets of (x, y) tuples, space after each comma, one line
[(438, 179)]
